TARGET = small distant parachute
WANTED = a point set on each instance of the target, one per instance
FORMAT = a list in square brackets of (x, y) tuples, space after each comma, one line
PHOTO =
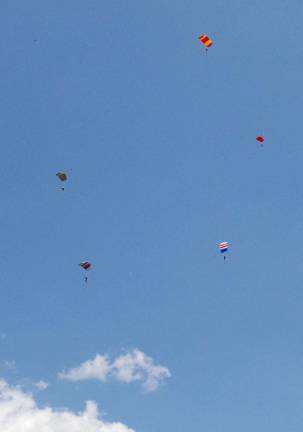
[(223, 246), (62, 176), (261, 139), (206, 40), (85, 265)]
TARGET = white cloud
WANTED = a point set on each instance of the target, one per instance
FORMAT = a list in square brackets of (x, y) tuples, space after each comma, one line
[(19, 413), (136, 366), (127, 368), (41, 385), (98, 369)]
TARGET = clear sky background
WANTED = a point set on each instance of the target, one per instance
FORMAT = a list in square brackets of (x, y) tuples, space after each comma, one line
[(160, 138)]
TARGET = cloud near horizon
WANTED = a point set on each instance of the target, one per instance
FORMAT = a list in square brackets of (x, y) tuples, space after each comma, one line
[(19, 412), (127, 368)]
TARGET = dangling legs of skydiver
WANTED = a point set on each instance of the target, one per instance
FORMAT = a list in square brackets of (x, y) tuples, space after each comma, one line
[(224, 257), (86, 279)]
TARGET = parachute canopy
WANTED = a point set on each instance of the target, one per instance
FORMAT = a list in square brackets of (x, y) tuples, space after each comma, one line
[(61, 176), (85, 265), (223, 246), (260, 138), (206, 40)]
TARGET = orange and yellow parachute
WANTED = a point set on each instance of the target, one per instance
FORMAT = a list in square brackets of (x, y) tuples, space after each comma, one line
[(206, 40)]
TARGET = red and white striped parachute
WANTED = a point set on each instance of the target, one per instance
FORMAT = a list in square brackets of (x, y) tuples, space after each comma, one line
[(223, 246)]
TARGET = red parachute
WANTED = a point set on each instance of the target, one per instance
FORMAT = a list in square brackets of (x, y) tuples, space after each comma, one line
[(206, 40), (85, 265), (261, 139)]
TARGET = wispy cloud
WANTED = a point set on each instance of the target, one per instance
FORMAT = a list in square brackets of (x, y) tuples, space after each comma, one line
[(41, 385), (127, 368), (19, 412), (10, 365), (98, 368)]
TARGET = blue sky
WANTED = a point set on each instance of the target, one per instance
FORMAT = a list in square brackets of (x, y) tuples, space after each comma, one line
[(160, 138)]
